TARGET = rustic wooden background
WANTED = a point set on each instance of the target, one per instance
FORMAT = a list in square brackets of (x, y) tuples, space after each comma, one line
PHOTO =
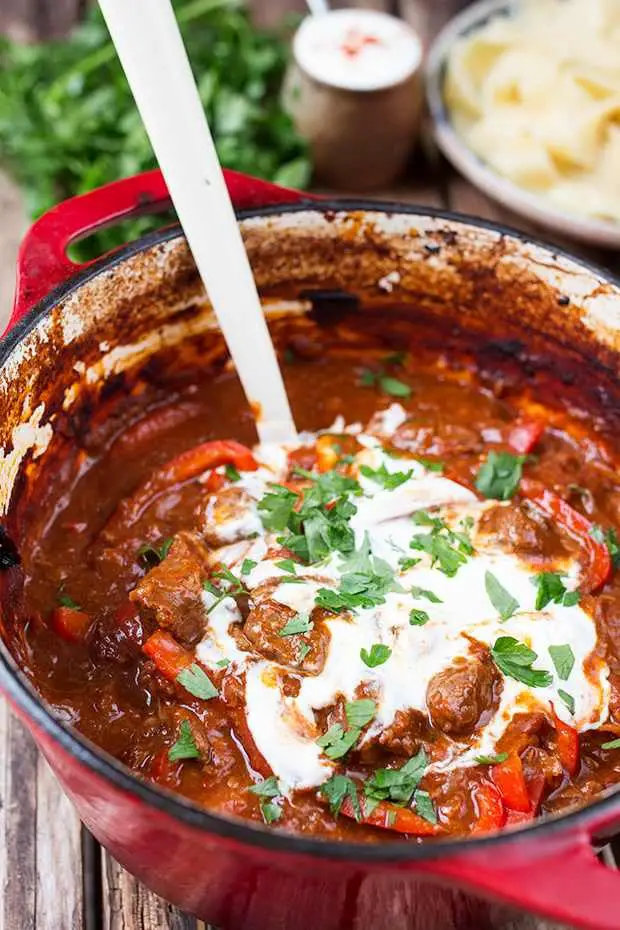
[(53, 875)]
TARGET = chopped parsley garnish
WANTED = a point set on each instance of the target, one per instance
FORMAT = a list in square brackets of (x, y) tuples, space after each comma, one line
[(247, 565), (287, 565), (65, 601), (337, 742), (406, 563), (430, 465), (223, 663), (515, 660), (364, 582), (385, 383), (195, 680), (185, 746), (423, 592), (336, 789), (568, 699), (551, 589), (378, 655), (300, 623), (388, 479), (610, 538), (150, 556), (397, 785), (499, 475), (418, 617), (424, 806), (447, 548), (302, 651), (276, 507), (612, 744), (360, 712), (267, 790), (505, 604), (232, 473), (232, 587), (492, 760), (563, 659)]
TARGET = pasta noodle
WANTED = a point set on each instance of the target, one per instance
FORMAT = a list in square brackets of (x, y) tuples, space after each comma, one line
[(536, 95)]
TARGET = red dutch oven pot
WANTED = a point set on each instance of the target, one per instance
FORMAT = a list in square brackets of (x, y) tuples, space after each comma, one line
[(228, 872)]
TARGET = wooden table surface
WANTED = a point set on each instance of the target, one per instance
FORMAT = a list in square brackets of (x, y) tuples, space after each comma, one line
[(54, 876)]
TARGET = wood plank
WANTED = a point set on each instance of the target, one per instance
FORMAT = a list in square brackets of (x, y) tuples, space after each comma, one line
[(128, 905), (59, 888)]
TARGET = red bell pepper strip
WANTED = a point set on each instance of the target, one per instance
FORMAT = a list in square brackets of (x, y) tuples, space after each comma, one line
[(490, 809), (577, 527), (391, 817), (184, 467), (509, 779), (168, 655), (535, 787), (214, 482), (524, 436), (568, 744), (71, 624)]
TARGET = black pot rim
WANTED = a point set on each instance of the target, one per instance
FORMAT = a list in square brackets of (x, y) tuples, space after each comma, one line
[(19, 689)]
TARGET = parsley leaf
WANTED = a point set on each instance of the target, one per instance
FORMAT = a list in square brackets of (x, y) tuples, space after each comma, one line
[(276, 507), (389, 480), (551, 589), (418, 617), (300, 623), (364, 583), (65, 601), (377, 656), (568, 699), (397, 785), (430, 465), (499, 476), (336, 789), (424, 806), (287, 565), (337, 742), (423, 592), (612, 744), (447, 547), (360, 712), (195, 680), (610, 538), (185, 746), (247, 565), (302, 652), (270, 811), (504, 603), (406, 563), (393, 386), (563, 659), (267, 788), (492, 760), (232, 473), (515, 660), (223, 663)]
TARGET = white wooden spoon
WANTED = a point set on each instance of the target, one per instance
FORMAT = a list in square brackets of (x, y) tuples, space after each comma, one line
[(153, 56)]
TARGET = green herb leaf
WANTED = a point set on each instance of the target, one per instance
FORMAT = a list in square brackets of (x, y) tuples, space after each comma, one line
[(223, 663), (270, 811), (551, 589), (232, 473), (150, 556), (397, 785), (302, 651), (336, 789), (492, 760), (499, 476), (505, 604), (515, 660), (267, 788), (610, 538), (406, 563), (387, 479), (300, 623), (430, 465), (287, 565), (247, 565), (367, 378), (360, 712), (612, 744), (195, 680), (424, 806), (276, 508), (185, 747), (423, 592), (568, 699), (418, 617), (377, 656), (65, 601), (337, 742), (393, 386), (563, 659)]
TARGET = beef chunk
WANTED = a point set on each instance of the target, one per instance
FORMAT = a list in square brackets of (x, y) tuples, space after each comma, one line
[(520, 529), (459, 696), (263, 629), (118, 637), (406, 734), (437, 438), (172, 591)]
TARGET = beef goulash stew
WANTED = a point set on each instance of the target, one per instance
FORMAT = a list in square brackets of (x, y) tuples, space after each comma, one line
[(407, 623)]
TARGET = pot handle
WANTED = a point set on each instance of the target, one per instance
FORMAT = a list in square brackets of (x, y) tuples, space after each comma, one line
[(558, 876), (43, 262)]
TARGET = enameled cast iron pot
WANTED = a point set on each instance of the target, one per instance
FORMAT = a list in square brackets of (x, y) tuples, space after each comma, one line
[(74, 325)]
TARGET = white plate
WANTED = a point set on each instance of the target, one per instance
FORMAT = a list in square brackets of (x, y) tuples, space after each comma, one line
[(594, 231)]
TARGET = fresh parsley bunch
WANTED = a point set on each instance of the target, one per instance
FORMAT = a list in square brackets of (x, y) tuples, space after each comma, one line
[(68, 122)]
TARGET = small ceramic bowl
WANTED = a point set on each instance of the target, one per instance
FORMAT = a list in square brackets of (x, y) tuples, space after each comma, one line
[(530, 205)]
